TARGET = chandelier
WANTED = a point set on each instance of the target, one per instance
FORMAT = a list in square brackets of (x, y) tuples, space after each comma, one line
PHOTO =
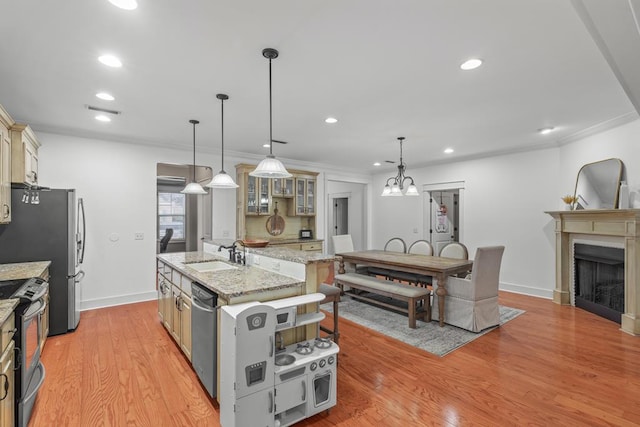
[(395, 189)]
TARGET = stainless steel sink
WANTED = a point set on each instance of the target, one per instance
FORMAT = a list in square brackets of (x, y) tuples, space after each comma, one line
[(285, 359), (203, 267)]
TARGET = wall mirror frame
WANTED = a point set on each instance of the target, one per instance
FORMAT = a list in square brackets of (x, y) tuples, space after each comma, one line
[(598, 185)]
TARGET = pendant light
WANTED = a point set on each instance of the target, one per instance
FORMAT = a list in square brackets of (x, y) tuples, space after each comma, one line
[(398, 181), (270, 167), (193, 187), (222, 179)]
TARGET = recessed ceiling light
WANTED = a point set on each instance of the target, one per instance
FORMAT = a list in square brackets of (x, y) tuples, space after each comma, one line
[(376, 164), (448, 150), (110, 61), (103, 118), (471, 64), (266, 145), (546, 130), (125, 4), (105, 96), (331, 120)]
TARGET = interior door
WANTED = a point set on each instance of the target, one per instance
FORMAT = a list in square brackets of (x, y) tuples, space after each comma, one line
[(443, 228)]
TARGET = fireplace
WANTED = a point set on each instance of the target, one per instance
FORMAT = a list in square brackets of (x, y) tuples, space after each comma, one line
[(611, 228), (599, 280)]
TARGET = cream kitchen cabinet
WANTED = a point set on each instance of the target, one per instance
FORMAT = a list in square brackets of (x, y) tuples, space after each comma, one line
[(7, 378), (305, 198), (258, 200), (282, 187), (5, 166), (24, 155), (174, 305)]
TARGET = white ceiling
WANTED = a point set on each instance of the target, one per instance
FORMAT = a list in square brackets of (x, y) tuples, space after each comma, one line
[(384, 69)]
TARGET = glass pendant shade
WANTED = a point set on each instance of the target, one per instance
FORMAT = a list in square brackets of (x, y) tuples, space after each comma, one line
[(387, 191), (395, 190), (222, 180), (412, 190), (270, 167), (193, 188)]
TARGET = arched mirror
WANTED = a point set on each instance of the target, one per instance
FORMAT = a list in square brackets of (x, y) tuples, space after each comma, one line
[(598, 185)]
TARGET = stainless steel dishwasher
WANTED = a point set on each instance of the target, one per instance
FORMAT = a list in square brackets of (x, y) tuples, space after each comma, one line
[(204, 335)]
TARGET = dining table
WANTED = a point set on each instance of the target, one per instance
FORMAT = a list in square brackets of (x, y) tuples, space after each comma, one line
[(440, 268)]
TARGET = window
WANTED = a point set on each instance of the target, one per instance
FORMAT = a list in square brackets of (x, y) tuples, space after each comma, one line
[(171, 214)]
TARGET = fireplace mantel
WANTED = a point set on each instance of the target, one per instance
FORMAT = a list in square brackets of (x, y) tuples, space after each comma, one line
[(622, 223)]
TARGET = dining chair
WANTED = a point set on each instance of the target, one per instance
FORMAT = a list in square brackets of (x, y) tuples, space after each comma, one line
[(344, 243), (420, 247), (454, 250), (472, 304), (395, 244)]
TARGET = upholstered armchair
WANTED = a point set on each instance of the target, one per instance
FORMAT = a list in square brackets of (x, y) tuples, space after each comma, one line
[(472, 304)]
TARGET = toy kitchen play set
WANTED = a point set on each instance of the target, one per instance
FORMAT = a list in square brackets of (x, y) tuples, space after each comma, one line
[(263, 383)]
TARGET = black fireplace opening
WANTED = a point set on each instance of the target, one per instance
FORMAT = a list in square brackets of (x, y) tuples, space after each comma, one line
[(599, 280)]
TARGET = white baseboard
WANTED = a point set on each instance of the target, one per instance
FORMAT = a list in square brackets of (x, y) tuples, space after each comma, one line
[(527, 290), (118, 300)]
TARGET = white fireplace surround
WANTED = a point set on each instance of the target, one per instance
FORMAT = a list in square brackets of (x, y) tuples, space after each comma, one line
[(585, 239), (604, 227)]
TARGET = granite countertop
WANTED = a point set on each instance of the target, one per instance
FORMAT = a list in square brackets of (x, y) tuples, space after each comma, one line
[(292, 240), (23, 270), (6, 308), (228, 284), (287, 254)]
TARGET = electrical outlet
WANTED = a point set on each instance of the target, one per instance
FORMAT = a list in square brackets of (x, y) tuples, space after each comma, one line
[(256, 260), (225, 233), (415, 231), (276, 266), (139, 236)]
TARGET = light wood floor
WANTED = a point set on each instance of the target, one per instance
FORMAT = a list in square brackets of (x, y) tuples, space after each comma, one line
[(552, 366)]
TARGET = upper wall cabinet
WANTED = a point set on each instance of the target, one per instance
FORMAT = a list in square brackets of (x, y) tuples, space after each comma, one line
[(305, 199), (5, 166), (24, 155), (282, 187)]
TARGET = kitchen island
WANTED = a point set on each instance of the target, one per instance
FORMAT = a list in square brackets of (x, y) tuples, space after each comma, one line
[(239, 283), (269, 274)]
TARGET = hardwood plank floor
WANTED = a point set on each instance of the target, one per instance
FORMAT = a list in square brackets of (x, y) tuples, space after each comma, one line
[(554, 365)]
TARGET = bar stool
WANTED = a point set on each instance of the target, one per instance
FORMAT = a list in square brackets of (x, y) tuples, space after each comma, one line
[(331, 294)]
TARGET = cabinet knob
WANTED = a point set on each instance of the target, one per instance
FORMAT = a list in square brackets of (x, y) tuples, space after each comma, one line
[(7, 210)]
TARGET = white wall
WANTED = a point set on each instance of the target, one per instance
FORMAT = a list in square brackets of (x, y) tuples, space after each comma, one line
[(504, 202)]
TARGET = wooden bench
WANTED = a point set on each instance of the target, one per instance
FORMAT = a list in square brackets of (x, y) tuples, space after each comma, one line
[(413, 295)]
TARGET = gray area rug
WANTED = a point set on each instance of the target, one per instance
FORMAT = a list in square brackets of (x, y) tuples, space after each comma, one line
[(428, 335)]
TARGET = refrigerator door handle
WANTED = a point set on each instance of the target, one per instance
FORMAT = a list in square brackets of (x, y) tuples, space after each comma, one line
[(81, 241), (77, 277)]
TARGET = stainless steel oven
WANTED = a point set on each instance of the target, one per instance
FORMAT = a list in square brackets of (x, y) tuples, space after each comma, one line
[(29, 370)]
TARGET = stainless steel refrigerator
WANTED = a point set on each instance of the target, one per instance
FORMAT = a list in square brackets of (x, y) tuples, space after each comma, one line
[(54, 230)]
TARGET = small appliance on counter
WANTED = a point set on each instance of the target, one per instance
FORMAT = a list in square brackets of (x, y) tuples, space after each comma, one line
[(306, 234)]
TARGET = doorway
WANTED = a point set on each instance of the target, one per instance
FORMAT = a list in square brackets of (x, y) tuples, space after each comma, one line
[(188, 216), (442, 222), (340, 216)]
